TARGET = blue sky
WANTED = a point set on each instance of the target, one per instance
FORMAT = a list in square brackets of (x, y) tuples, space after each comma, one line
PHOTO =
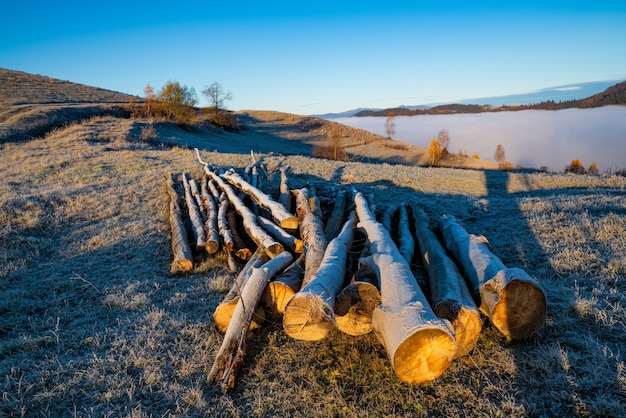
[(321, 56)]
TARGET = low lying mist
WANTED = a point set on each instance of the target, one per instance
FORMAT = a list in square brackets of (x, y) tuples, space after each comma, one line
[(531, 138)]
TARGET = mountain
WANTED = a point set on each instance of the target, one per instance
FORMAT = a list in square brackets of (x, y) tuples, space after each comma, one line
[(613, 95)]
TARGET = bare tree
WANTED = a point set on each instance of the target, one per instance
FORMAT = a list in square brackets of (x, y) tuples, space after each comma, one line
[(390, 125), (217, 96), (443, 138), (499, 154), (148, 93)]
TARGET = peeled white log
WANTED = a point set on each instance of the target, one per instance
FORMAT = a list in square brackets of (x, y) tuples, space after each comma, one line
[(311, 231), (279, 213), (309, 313), (419, 344), (258, 234), (194, 214), (240, 248), (282, 236), (514, 302), (209, 208), (406, 243), (232, 351), (450, 297), (222, 224), (285, 193), (181, 251)]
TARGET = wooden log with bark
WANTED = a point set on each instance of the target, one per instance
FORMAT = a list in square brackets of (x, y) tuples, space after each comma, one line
[(406, 243), (282, 236), (209, 208), (240, 248), (232, 351), (181, 251), (222, 224), (282, 217), (197, 223), (419, 344), (258, 234), (450, 297), (309, 314), (224, 311), (281, 289), (514, 302), (311, 232)]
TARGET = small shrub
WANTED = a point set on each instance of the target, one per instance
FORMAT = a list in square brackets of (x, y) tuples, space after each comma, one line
[(148, 133), (576, 167), (506, 166), (475, 156), (593, 168)]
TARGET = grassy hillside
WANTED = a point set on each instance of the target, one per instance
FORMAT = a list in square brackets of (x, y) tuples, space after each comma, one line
[(93, 324)]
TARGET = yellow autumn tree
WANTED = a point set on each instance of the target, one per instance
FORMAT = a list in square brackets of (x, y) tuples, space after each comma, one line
[(434, 152)]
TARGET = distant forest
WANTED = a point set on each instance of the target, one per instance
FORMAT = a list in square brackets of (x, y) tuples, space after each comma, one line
[(614, 95)]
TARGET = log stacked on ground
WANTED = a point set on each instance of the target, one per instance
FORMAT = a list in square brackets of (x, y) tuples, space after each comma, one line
[(309, 313), (513, 301), (450, 297), (183, 260), (419, 344), (280, 290), (209, 208), (197, 223), (230, 356), (311, 232), (224, 311)]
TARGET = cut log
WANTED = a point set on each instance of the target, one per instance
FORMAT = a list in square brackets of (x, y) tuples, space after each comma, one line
[(406, 243), (181, 251), (388, 215), (224, 311), (258, 234), (419, 344), (232, 351), (355, 304), (311, 231), (213, 188), (197, 223), (285, 193), (195, 192), (222, 224), (309, 313), (281, 289), (209, 208), (279, 213), (282, 236), (514, 302), (240, 247), (335, 220), (450, 297)]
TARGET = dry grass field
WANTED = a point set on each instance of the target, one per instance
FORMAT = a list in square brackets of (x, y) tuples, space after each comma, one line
[(93, 324)]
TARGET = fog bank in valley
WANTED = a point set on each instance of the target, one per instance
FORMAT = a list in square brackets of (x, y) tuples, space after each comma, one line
[(531, 138)]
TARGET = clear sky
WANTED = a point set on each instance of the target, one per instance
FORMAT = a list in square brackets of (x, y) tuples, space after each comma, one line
[(322, 56)]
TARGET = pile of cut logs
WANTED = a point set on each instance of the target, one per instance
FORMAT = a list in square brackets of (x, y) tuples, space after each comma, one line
[(304, 269)]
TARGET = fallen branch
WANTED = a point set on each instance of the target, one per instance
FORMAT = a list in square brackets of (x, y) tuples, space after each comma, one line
[(513, 301)]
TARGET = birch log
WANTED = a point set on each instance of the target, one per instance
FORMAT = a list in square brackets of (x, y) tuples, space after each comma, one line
[(312, 233), (279, 213), (224, 311), (194, 214), (181, 251), (419, 344), (450, 296), (240, 247), (309, 313), (209, 207), (232, 351), (513, 301), (258, 234)]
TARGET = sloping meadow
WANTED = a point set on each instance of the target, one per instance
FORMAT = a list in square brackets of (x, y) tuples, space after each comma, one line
[(92, 322)]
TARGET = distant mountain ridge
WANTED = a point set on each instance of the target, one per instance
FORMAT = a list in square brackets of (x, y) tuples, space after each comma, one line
[(614, 95)]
